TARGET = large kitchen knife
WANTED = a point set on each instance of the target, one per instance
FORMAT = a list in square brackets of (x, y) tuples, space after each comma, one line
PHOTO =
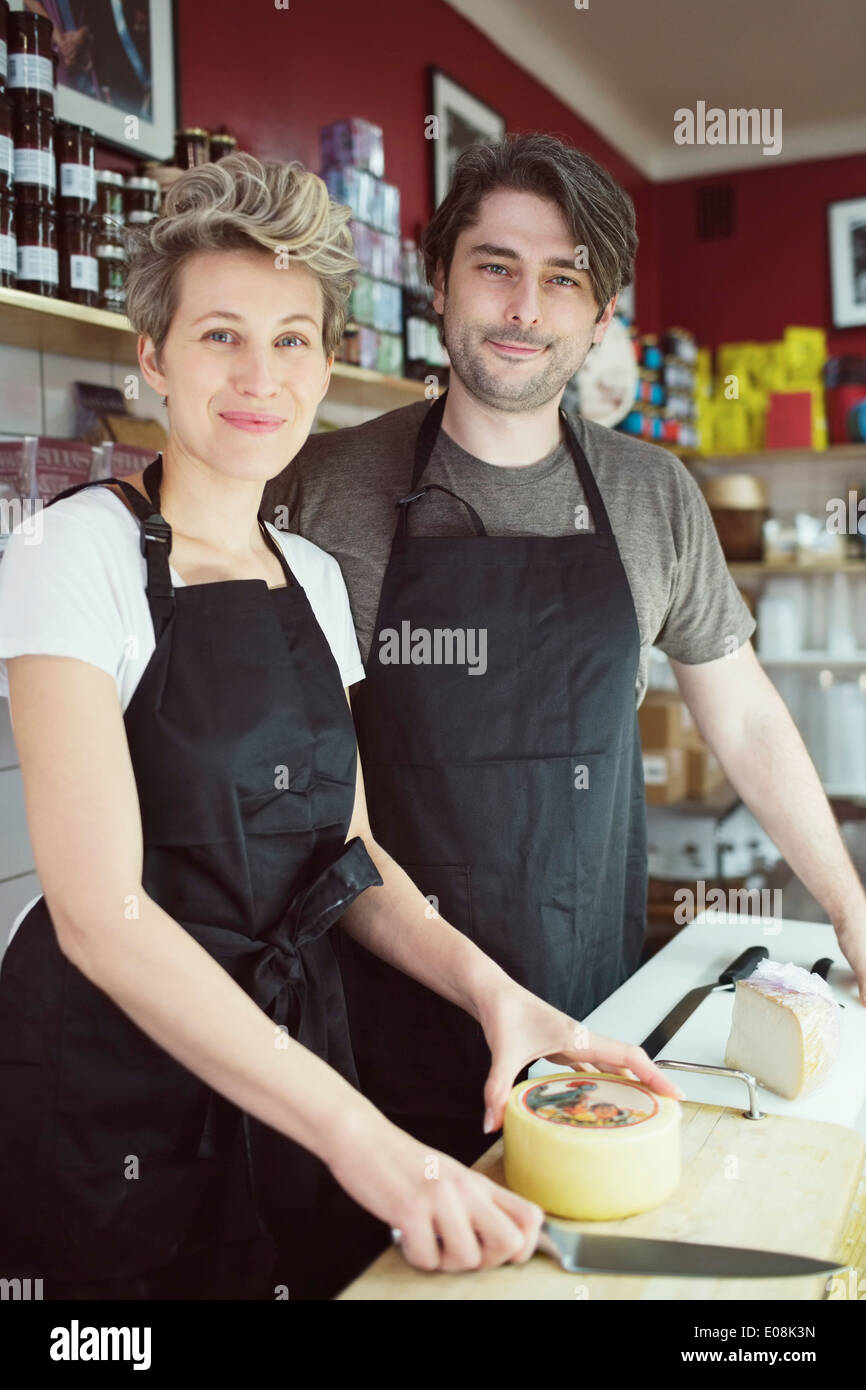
[(581, 1253), (673, 1021)]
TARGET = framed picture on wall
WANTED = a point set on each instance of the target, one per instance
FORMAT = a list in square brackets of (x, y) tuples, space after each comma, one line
[(459, 120), (115, 70), (847, 227)]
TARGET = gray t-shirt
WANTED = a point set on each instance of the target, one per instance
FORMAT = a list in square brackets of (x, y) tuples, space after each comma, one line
[(341, 489)]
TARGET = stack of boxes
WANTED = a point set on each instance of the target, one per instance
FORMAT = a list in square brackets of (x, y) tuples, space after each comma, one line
[(767, 395), (353, 165), (665, 410), (676, 761)]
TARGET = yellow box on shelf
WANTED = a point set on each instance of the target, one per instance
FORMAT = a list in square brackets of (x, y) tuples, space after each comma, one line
[(805, 354)]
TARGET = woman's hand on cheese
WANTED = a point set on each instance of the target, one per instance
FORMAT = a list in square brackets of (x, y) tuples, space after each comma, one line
[(520, 1028), (449, 1217)]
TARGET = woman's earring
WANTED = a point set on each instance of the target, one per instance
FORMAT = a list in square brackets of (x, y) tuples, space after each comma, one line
[(165, 400)]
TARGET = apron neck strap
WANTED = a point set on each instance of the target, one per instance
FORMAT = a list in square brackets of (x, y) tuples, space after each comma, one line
[(155, 544), (426, 442), (155, 537), (600, 518)]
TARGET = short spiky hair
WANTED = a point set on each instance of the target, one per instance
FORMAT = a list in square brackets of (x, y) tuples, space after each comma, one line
[(239, 203), (599, 213)]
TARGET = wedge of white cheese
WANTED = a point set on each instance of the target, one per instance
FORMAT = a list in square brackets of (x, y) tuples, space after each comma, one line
[(785, 1029)]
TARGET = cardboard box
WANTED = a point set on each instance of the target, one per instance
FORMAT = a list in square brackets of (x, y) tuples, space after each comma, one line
[(130, 429), (664, 774), (704, 772), (665, 721)]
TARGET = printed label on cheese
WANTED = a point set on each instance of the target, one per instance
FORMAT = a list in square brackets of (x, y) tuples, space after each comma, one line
[(596, 1105)]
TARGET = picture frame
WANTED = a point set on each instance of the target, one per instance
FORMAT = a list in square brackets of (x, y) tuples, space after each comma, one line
[(847, 242), (459, 119), (120, 80)]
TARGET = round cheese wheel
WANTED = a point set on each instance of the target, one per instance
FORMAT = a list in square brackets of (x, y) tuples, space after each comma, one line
[(590, 1146)]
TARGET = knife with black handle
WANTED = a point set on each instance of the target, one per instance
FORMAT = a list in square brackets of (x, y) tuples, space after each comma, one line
[(673, 1021), (823, 967)]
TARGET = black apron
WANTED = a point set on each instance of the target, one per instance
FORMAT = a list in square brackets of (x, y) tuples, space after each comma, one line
[(513, 796), (115, 1159)]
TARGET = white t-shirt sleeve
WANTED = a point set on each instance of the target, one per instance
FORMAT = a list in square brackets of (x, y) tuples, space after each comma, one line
[(57, 595), (320, 576)]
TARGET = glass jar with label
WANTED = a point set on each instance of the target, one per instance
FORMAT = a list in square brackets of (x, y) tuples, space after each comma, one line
[(31, 60), (191, 147), (111, 262), (109, 194), (33, 155), (7, 161), (79, 269), (221, 145), (8, 249), (140, 199), (76, 175), (4, 46), (38, 268)]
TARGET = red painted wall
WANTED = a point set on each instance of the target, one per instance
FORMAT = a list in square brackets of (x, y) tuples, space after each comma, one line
[(275, 76), (775, 270)]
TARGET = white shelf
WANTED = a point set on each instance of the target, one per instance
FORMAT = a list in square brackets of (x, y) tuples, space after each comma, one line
[(807, 659), (55, 325), (799, 571)]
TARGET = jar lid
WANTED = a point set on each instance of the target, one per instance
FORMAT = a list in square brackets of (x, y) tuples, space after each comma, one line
[(24, 20), (191, 130), (221, 138), (109, 176), (140, 182)]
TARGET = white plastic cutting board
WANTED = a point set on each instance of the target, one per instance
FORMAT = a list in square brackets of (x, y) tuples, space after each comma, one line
[(696, 956)]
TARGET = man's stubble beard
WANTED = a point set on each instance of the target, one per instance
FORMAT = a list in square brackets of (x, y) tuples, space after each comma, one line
[(464, 344)]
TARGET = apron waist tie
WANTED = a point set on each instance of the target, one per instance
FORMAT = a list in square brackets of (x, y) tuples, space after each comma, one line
[(278, 981)]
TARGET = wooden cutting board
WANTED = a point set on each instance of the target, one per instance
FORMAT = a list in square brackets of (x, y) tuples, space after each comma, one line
[(774, 1184)]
